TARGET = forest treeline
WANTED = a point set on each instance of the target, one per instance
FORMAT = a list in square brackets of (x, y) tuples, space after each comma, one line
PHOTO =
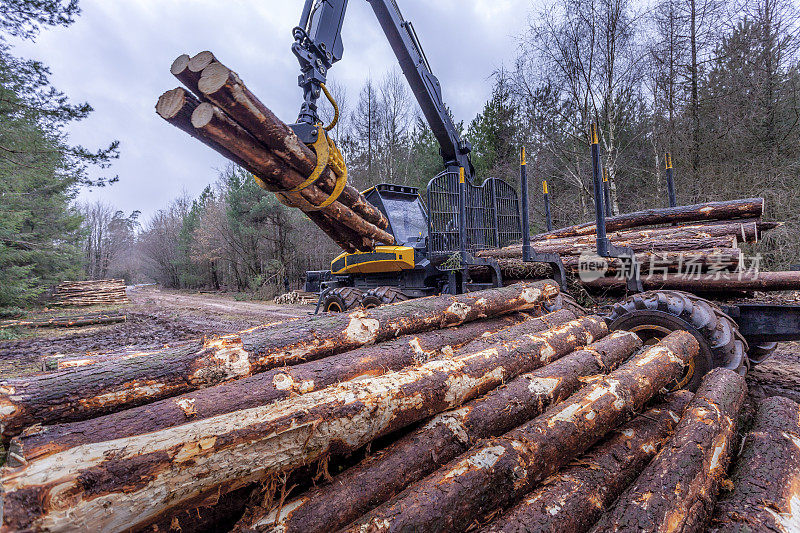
[(715, 83)]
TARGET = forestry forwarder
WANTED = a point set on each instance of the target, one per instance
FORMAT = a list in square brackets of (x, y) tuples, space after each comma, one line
[(434, 246)]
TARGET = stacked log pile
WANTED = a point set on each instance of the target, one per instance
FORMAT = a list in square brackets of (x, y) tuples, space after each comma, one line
[(484, 410), (221, 112), (92, 292), (65, 321), (693, 248)]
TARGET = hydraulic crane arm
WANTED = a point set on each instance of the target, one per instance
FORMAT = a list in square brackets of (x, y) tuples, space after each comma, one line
[(318, 45)]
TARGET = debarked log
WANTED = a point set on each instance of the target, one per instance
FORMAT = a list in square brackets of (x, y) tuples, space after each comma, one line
[(499, 470), (268, 387), (727, 210), (113, 385), (143, 476), (377, 479), (766, 479), (677, 490), (576, 497)]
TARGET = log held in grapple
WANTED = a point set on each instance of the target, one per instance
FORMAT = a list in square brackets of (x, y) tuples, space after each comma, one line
[(113, 385)]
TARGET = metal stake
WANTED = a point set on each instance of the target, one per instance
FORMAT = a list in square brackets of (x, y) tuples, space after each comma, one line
[(526, 228), (548, 217)]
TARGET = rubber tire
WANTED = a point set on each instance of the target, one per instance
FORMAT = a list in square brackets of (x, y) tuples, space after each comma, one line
[(721, 345), (761, 352), (341, 299), (387, 295), (370, 301)]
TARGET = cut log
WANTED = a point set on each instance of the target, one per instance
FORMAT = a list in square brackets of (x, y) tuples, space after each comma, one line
[(744, 231), (499, 470), (377, 479), (273, 172), (660, 244), (576, 497), (775, 377), (721, 282), (729, 210), (176, 107), (90, 391), (65, 321), (143, 476), (766, 480), (268, 387), (677, 490), (225, 89)]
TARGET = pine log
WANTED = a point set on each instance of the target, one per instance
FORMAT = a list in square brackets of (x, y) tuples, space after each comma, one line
[(226, 90), (176, 107), (766, 480), (575, 498), (273, 171), (775, 377), (270, 386), (499, 470), (377, 479), (728, 210), (65, 321), (90, 391), (678, 489), (721, 282), (142, 477), (661, 244), (744, 230)]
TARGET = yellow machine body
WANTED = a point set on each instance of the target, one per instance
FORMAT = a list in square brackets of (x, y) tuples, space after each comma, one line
[(382, 259)]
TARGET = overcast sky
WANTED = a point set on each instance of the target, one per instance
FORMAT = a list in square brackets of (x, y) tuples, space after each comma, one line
[(118, 53)]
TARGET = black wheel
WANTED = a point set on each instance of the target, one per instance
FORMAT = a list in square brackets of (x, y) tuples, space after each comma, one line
[(761, 352), (341, 300), (653, 315), (370, 301), (384, 295)]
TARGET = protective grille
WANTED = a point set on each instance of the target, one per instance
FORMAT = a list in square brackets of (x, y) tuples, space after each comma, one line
[(492, 215)]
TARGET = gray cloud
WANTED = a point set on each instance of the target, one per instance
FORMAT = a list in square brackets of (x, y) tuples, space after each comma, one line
[(117, 57)]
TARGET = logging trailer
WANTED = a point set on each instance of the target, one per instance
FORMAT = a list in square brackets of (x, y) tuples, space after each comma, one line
[(436, 241)]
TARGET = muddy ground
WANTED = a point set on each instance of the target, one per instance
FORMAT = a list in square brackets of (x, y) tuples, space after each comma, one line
[(154, 318)]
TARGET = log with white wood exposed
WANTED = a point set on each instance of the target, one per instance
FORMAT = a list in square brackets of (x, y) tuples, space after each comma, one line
[(499, 470), (144, 476), (377, 479), (678, 489), (273, 385), (113, 385)]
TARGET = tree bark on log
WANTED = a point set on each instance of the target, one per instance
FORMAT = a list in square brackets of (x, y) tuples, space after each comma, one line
[(379, 478), (176, 107), (722, 282), (188, 69), (499, 470), (268, 387), (660, 244), (677, 490), (766, 480), (775, 377), (226, 90), (65, 321), (275, 173), (576, 497), (744, 231), (729, 210), (108, 386), (145, 475)]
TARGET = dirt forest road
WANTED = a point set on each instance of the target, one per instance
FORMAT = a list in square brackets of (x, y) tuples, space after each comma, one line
[(154, 318)]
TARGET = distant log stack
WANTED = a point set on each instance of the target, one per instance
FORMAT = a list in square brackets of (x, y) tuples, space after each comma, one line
[(91, 292), (225, 115), (65, 321)]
